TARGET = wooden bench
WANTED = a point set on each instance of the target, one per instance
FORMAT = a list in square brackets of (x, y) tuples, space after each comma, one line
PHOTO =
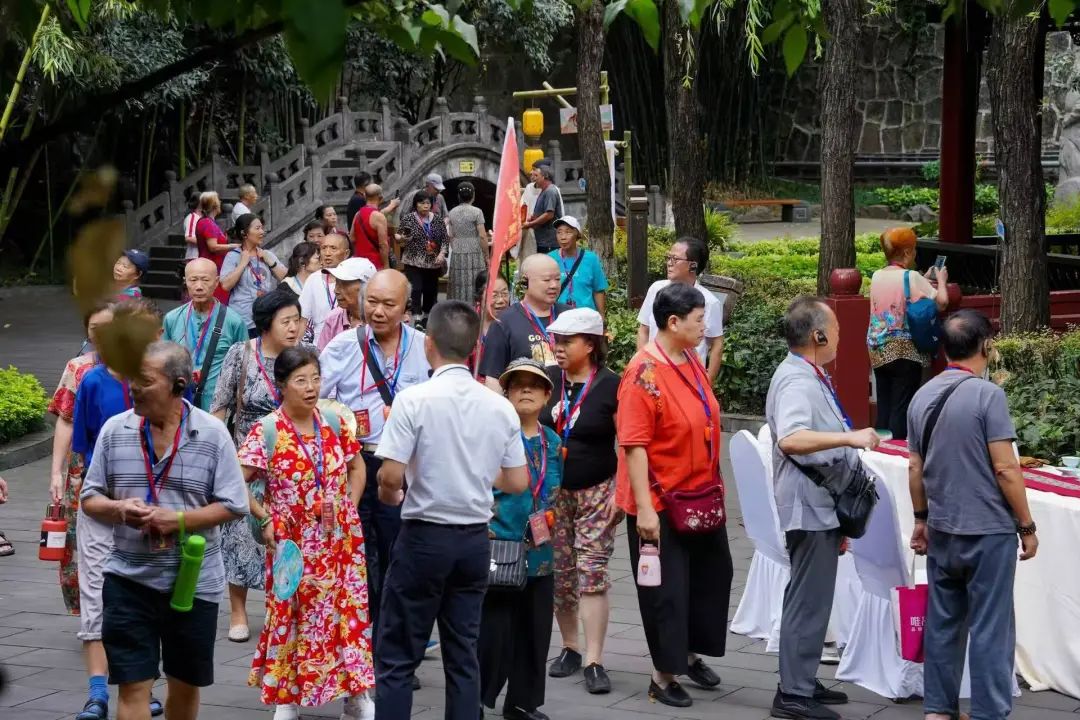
[(791, 210)]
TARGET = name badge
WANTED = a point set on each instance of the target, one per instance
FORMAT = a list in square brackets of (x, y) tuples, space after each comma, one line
[(538, 528), (160, 543), (363, 424)]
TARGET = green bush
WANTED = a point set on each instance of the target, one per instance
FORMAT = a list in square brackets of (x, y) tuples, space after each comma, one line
[(719, 226), (1040, 373), (22, 404), (1064, 217), (901, 198), (931, 171)]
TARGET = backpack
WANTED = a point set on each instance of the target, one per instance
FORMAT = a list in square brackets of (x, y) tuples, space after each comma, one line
[(922, 320)]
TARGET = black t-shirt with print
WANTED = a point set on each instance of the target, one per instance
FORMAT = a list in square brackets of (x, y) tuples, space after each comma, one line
[(514, 336), (590, 456)]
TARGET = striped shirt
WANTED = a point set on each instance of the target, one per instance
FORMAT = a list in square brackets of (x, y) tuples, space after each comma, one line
[(205, 471)]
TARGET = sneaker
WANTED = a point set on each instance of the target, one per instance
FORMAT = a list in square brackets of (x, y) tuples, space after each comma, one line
[(597, 681), (796, 707), (360, 707), (830, 654), (568, 663), (828, 697), (286, 712), (672, 695), (431, 647), (702, 675), (94, 709), (516, 713)]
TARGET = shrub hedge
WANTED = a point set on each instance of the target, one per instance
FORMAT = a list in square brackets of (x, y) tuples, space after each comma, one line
[(22, 404)]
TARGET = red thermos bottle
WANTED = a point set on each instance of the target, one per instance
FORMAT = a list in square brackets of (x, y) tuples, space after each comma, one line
[(53, 534)]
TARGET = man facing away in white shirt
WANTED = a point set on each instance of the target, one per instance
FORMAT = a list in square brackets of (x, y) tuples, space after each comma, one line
[(248, 197)]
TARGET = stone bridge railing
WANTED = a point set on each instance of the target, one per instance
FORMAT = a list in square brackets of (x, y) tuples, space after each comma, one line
[(320, 169)]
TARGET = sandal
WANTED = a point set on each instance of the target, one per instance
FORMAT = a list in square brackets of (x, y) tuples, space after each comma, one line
[(6, 548), (156, 708), (94, 710)]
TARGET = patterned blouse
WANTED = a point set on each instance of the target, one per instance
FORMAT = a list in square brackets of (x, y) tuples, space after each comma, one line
[(888, 337), (423, 241)]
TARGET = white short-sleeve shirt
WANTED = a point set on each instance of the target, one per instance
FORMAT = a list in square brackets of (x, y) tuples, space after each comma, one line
[(455, 435), (714, 315), (317, 299)]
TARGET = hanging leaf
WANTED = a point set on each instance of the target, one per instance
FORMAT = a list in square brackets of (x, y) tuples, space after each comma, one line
[(1060, 10), (795, 43), (315, 37), (647, 17), (612, 11), (772, 33), (80, 10)]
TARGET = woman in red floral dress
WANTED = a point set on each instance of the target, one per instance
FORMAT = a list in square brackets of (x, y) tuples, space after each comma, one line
[(315, 647)]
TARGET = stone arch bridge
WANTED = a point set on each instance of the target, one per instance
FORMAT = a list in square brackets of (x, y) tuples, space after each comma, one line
[(320, 170)]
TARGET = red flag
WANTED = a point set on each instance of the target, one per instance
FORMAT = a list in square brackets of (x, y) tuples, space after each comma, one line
[(506, 226)]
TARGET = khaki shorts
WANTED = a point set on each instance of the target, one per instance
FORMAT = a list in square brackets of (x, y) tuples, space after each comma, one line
[(95, 543)]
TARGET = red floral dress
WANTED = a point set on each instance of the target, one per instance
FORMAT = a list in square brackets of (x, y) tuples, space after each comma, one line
[(315, 647), (62, 406)]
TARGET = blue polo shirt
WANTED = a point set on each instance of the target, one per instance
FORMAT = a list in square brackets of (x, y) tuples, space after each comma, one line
[(588, 279), (100, 397)]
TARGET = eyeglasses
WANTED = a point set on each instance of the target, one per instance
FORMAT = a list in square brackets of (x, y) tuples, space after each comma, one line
[(674, 259), (503, 294)]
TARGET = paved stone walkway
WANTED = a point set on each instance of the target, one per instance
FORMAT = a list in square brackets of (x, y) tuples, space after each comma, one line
[(41, 658)]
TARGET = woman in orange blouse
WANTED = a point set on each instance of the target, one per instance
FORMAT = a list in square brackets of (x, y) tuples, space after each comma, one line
[(668, 426)]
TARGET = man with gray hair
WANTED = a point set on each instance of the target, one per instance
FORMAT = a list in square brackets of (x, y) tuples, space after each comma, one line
[(159, 472), (809, 429), (248, 196), (547, 209)]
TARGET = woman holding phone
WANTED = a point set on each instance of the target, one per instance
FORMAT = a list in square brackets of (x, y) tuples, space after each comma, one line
[(897, 363)]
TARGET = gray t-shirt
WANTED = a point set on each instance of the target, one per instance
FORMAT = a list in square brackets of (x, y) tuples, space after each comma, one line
[(205, 471), (961, 486), (798, 400), (256, 280), (545, 234)]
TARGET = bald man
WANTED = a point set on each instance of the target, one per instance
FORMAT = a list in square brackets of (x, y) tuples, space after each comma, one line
[(365, 369), (205, 327), (369, 234), (521, 329)]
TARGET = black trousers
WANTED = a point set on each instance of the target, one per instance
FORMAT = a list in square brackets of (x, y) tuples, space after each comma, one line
[(687, 612), (896, 385), (381, 525), (515, 635), (425, 288), (437, 573)]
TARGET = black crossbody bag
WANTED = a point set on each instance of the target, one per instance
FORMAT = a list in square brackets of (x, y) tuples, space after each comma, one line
[(373, 368), (570, 275), (208, 359)]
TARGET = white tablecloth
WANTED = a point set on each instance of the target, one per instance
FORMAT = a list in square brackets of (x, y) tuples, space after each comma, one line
[(1047, 595)]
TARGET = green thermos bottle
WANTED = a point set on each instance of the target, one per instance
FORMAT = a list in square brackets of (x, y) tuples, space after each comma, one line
[(191, 560)]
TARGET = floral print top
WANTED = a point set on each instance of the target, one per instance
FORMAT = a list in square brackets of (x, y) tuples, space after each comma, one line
[(423, 240), (510, 512), (888, 337)]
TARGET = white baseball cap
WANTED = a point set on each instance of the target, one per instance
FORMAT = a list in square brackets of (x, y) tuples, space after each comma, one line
[(436, 180), (353, 269), (579, 321), (569, 221)]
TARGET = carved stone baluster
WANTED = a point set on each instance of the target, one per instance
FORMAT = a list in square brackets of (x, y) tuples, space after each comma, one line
[(442, 109), (483, 132), (387, 129)]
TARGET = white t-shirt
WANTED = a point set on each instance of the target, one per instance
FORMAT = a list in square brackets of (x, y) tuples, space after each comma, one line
[(239, 209), (317, 300), (191, 250), (714, 315)]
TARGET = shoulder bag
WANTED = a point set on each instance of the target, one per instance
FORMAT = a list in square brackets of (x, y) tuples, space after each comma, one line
[(931, 421), (208, 359), (922, 320), (570, 276), (373, 368), (855, 500), (694, 512), (509, 569)]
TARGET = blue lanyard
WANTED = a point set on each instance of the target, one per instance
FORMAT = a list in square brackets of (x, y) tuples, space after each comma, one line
[(826, 381), (403, 352), (156, 480), (318, 462), (567, 416), (534, 320), (537, 471), (198, 337)]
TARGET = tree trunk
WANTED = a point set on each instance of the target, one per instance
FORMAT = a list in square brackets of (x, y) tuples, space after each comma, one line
[(687, 151), (1014, 77), (838, 138), (590, 29)]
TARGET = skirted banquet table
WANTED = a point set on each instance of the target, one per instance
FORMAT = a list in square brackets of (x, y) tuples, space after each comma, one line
[(1047, 594)]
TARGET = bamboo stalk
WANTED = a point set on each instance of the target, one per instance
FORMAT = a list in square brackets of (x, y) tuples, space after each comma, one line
[(13, 96), (243, 121), (149, 155), (182, 140)]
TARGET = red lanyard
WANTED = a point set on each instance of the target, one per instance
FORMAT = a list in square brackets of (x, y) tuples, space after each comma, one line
[(827, 382), (266, 376), (692, 360), (318, 463), (205, 328), (562, 425), (954, 366), (256, 275), (567, 269), (128, 402), (397, 365), (331, 298), (538, 474), (898, 265), (534, 320), (155, 482)]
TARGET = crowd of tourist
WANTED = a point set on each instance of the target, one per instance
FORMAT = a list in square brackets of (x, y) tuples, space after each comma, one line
[(465, 464)]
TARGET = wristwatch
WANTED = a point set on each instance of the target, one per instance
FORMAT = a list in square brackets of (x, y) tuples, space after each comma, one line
[(1026, 529), (922, 515)]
